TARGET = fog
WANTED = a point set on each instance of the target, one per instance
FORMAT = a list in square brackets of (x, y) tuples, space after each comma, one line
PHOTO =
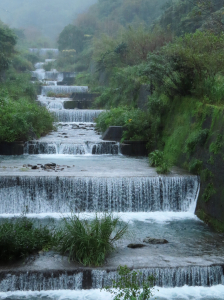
[(46, 17)]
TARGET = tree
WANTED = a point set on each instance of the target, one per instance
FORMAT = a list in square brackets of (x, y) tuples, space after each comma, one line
[(7, 44), (71, 38)]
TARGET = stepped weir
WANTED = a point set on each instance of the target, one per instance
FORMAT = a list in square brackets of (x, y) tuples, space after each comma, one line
[(91, 175)]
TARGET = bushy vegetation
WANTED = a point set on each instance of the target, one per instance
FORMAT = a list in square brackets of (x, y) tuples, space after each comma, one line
[(85, 241), (89, 241), (19, 238), (7, 46), (136, 123), (127, 285), (21, 118), (157, 159)]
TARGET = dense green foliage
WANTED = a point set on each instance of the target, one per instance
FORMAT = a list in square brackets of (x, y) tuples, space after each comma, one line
[(89, 242), (7, 46), (136, 122), (185, 16), (71, 38), (127, 286), (21, 118), (19, 238)]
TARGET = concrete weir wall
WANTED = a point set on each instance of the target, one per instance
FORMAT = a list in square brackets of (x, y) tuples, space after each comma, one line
[(15, 148)]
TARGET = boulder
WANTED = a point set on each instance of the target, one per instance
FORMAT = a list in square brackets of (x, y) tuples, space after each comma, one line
[(150, 240), (133, 246)]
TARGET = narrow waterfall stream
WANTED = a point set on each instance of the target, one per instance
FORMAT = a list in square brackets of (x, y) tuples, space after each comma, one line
[(90, 176)]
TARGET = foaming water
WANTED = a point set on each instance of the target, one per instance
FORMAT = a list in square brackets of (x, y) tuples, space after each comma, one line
[(73, 115), (129, 217), (64, 89), (58, 147), (54, 194), (183, 293)]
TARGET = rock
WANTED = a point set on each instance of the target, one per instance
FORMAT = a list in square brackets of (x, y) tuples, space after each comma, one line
[(50, 165), (29, 165), (133, 246), (150, 240), (25, 166), (34, 167)]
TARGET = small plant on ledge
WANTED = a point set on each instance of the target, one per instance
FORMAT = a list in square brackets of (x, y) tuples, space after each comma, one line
[(127, 286), (156, 159)]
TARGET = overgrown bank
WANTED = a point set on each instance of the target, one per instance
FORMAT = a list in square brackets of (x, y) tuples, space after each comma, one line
[(184, 114), (192, 138)]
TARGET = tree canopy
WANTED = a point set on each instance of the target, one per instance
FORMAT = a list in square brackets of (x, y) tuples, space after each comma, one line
[(7, 44)]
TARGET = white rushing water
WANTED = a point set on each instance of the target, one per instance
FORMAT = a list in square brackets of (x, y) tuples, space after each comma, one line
[(44, 51), (73, 115), (58, 147), (63, 89), (98, 279), (167, 277), (178, 293), (41, 194)]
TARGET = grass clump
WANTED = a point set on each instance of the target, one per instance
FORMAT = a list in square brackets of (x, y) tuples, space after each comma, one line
[(157, 159), (19, 238), (88, 242)]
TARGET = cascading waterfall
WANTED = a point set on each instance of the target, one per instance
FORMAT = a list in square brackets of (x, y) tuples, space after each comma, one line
[(44, 51), (97, 279), (48, 82), (40, 281), (48, 60), (43, 75), (64, 89), (82, 115), (167, 277), (39, 65), (39, 74), (36, 147), (40, 194), (55, 105)]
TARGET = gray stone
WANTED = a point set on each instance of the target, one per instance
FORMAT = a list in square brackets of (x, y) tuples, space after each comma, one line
[(134, 246), (150, 240)]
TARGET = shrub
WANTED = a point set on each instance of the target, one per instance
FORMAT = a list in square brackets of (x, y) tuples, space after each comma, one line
[(208, 192), (127, 285), (88, 242), (137, 123), (49, 66), (18, 238), (197, 138), (156, 159), (21, 64), (123, 88), (195, 166), (216, 146), (163, 168)]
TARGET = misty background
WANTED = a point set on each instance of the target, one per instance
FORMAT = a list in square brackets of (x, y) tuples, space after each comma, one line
[(42, 17)]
